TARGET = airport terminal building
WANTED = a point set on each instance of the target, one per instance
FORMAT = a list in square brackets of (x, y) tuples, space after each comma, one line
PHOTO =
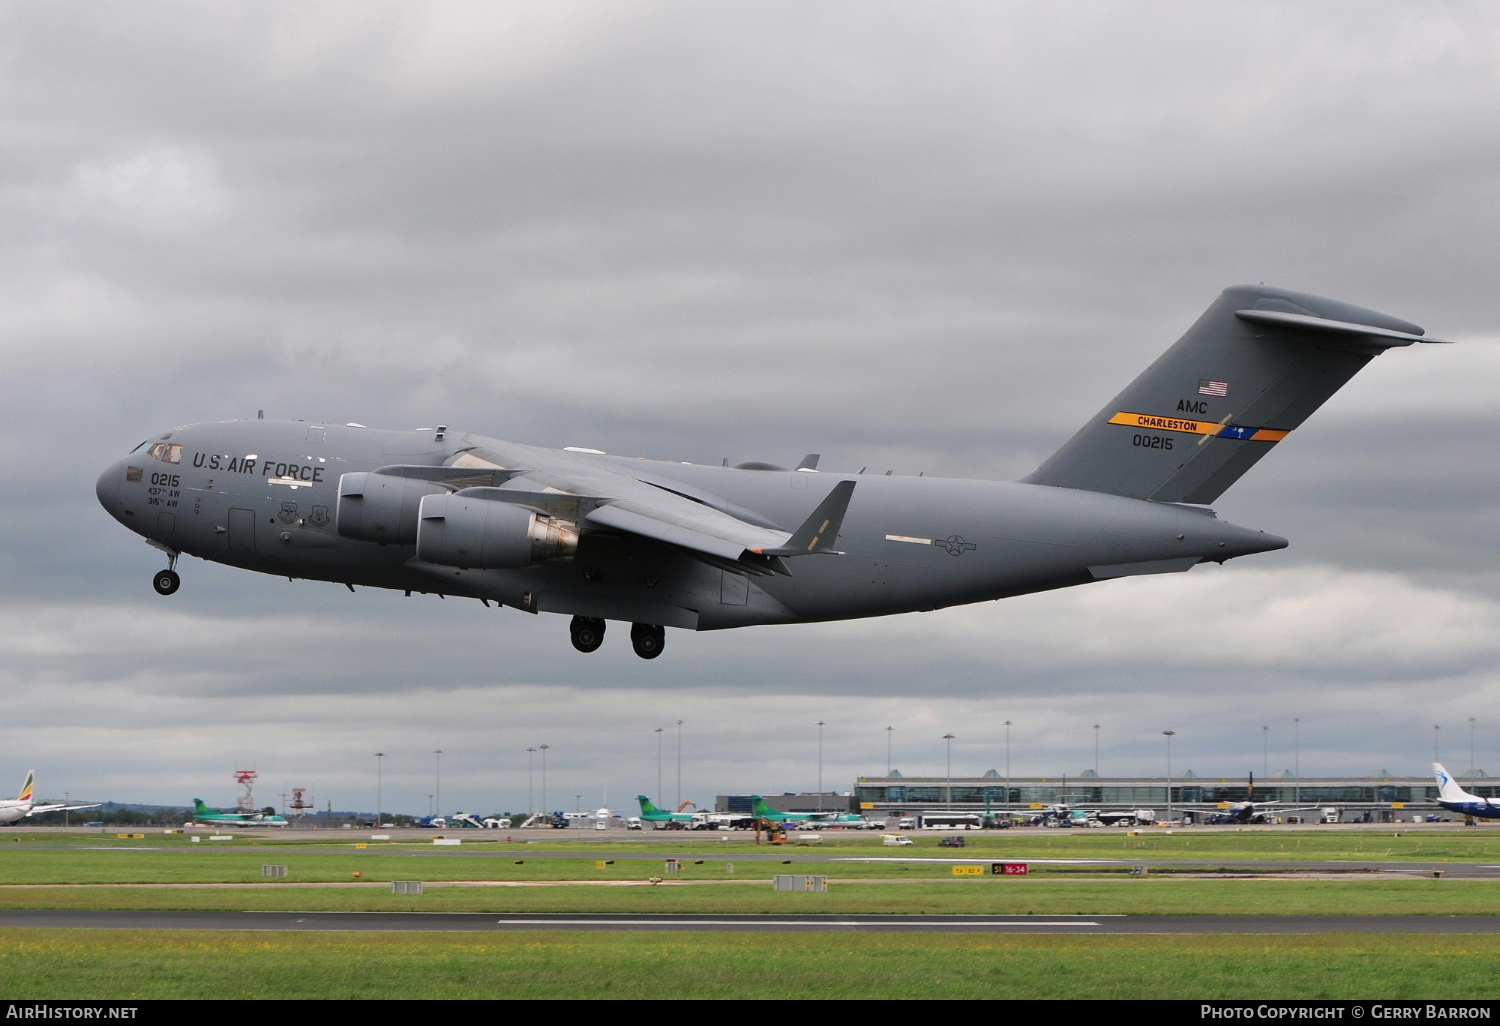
[(1377, 798)]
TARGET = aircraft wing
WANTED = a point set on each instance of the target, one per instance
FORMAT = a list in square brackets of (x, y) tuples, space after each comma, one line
[(677, 520), (35, 809), (616, 499)]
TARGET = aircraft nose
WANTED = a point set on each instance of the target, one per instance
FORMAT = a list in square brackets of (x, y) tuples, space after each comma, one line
[(108, 489)]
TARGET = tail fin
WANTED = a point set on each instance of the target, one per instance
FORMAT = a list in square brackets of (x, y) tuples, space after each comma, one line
[(761, 809), (1256, 364), (647, 808), (1448, 789), (199, 808), (28, 788)]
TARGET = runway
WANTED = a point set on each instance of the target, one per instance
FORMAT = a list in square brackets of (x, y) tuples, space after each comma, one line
[(480, 922)]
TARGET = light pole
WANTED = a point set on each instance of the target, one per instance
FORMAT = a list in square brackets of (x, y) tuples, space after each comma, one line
[(821, 725), (1265, 751), (379, 758), (888, 766), (1436, 733), (948, 739), (530, 780), (659, 796), (1096, 749), (1297, 759), (679, 764), (578, 803), (1169, 735), (1471, 750), (543, 750), (437, 778), (1007, 762)]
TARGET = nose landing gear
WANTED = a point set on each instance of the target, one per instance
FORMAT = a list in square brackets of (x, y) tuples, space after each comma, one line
[(166, 581), (587, 632), (647, 639)]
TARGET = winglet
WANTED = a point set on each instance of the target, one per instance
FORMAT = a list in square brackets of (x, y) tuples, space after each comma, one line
[(820, 531)]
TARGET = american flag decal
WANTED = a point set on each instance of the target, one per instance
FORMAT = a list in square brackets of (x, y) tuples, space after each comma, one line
[(1206, 386)]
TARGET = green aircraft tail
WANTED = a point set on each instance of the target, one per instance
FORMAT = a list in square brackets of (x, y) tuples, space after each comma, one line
[(647, 808), (200, 809), (764, 811)]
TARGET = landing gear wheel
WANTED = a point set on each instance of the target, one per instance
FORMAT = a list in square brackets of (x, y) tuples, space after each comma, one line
[(588, 633), (647, 639), (166, 582)]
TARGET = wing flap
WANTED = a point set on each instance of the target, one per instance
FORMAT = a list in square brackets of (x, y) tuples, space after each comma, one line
[(713, 533)]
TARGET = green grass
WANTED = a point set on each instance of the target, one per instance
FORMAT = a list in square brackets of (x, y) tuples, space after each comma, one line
[(126, 965), (1428, 842), (959, 897), (92, 872), (164, 858)]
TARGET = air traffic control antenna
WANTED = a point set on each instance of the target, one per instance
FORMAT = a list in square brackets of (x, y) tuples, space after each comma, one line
[(246, 780)]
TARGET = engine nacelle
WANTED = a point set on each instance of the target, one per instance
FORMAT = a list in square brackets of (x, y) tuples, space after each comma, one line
[(484, 534), (381, 507)]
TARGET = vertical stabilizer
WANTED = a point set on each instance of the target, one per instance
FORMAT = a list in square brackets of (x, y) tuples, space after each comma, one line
[(28, 788), (1448, 789), (1256, 364)]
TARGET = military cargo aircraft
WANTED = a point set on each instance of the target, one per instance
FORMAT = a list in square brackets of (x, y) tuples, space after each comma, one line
[(661, 544)]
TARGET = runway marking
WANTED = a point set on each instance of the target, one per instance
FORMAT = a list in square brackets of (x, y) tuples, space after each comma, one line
[(675, 921)]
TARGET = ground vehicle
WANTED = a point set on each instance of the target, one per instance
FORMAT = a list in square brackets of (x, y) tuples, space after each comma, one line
[(950, 821)]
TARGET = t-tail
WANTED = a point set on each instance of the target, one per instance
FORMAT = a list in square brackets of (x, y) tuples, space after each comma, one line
[(28, 789), (1256, 364), (199, 809)]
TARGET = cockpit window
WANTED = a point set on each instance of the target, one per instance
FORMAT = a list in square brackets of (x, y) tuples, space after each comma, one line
[(142, 447), (165, 453)]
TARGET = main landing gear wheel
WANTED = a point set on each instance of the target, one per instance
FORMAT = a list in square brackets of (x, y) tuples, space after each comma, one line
[(647, 639), (588, 633), (166, 582)]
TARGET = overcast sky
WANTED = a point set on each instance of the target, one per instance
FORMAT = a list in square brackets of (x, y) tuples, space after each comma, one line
[(928, 237)]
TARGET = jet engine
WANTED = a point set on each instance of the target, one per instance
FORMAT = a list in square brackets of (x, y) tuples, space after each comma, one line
[(381, 507), (485, 534)]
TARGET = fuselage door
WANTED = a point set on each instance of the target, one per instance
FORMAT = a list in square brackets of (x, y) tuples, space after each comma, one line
[(242, 531)]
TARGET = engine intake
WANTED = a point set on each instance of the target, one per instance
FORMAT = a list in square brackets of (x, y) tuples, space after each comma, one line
[(381, 507), (484, 534)]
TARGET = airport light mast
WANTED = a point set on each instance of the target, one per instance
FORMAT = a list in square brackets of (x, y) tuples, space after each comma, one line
[(1169, 734), (246, 781)]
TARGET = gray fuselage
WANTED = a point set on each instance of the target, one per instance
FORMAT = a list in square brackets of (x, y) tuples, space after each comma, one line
[(264, 495)]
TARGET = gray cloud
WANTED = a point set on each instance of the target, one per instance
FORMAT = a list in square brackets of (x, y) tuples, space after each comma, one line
[(928, 238)]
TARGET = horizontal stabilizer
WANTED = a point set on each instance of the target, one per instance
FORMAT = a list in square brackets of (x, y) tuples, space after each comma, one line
[(1381, 338)]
